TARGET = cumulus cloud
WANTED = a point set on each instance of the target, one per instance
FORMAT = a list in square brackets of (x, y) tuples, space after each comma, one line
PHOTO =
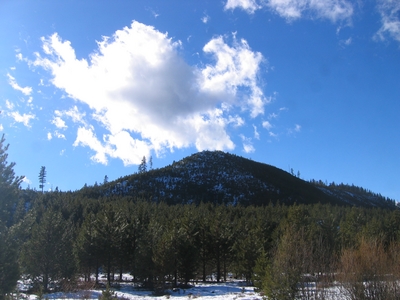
[(236, 68), (333, 10), (25, 90), (390, 18), (145, 97)]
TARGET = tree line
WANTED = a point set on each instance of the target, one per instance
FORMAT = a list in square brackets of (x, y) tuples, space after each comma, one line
[(63, 237)]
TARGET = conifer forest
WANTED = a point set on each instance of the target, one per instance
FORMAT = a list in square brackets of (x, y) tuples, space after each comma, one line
[(72, 239)]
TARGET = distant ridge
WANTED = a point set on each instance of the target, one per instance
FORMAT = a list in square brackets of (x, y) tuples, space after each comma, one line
[(223, 178)]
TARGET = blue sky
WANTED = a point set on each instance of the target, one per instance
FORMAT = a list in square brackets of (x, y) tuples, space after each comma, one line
[(87, 88)]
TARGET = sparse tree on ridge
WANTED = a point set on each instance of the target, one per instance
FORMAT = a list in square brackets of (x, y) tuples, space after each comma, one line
[(143, 166), (42, 177), (105, 179)]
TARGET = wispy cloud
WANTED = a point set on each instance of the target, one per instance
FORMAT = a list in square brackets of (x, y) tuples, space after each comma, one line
[(73, 113), (250, 6), (247, 144), (59, 135), (146, 97), (25, 90), (267, 125), (59, 123), (390, 18), (24, 118), (333, 10), (256, 134), (295, 129), (205, 19)]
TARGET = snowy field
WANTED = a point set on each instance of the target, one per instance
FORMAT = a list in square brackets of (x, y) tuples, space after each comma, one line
[(204, 291), (210, 291), (207, 291)]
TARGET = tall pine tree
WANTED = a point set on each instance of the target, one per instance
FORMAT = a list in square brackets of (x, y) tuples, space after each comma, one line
[(9, 189), (42, 177)]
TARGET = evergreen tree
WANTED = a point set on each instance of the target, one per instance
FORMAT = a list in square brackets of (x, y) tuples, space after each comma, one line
[(47, 255), (87, 248), (9, 270), (42, 177), (9, 185), (9, 192), (110, 228), (143, 166)]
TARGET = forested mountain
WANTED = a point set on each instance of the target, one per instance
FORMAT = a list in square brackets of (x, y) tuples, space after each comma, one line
[(222, 178)]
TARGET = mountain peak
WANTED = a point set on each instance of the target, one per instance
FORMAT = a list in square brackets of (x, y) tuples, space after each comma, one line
[(224, 178)]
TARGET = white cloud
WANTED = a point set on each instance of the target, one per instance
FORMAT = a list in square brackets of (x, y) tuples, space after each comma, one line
[(205, 19), (73, 113), (272, 134), (9, 105), (24, 118), (297, 128), (346, 42), (59, 123), (256, 134), (267, 125), (248, 148), (59, 135), (236, 67), (86, 137), (30, 102), (333, 10), (146, 97), (49, 136), (1, 127), (247, 144), (25, 90), (250, 6), (237, 121), (390, 18), (26, 180)]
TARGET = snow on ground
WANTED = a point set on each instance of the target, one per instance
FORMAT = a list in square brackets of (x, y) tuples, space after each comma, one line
[(212, 291), (232, 290), (203, 291)]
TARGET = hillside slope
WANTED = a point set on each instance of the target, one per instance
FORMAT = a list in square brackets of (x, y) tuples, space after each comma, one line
[(222, 178)]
